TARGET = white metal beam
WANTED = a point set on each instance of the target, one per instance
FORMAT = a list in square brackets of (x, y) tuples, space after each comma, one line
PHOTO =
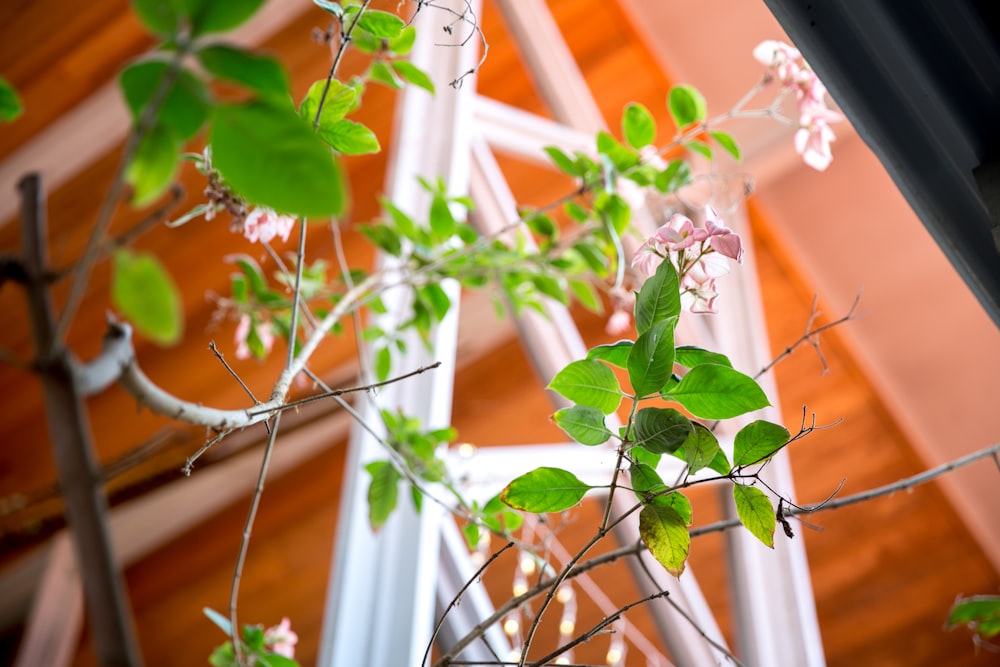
[(381, 597)]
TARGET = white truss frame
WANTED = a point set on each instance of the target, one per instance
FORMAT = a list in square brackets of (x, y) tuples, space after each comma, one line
[(382, 588)]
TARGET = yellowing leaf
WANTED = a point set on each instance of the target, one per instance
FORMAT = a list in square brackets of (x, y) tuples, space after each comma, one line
[(664, 532)]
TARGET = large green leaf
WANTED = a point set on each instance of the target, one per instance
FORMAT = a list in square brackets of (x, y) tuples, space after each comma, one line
[(413, 74), (160, 16), (350, 138), (755, 512), (583, 423), (272, 158), (615, 354), (383, 492), (712, 391), (544, 490), (647, 484), (660, 430), (638, 125), (757, 442), (382, 25), (658, 299), (10, 102), (215, 16), (588, 383), (665, 533), (260, 73), (651, 360), (145, 294), (153, 165), (701, 448), (338, 101), (185, 106), (686, 105), (690, 356)]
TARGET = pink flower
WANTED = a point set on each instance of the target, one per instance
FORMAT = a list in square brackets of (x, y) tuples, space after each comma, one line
[(723, 240), (280, 639), (646, 259), (679, 233), (242, 333), (786, 65), (263, 225), (618, 323)]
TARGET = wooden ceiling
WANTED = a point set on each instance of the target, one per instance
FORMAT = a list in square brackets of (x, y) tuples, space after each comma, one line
[(884, 573)]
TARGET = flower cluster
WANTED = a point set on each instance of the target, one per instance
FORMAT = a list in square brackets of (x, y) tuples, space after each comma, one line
[(263, 224), (786, 66), (280, 639), (700, 255)]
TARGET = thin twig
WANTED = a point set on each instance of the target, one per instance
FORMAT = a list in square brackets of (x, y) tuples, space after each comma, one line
[(458, 596), (888, 489), (218, 355), (605, 622), (808, 336)]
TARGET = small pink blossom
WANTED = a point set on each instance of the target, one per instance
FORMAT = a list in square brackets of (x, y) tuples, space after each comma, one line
[(280, 639), (618, 323), (723, 240), (786, 65), (263, 224), (242, 333), (679, 233)]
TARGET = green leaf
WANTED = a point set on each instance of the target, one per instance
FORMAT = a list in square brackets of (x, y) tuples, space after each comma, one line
[(249, 142), (382, 25), (588, 383), (10, 103), (686, 105), (659, 298), (413, 74), (383, 364), (160, 16), (980, 612), (583, 423), (615, 211), (544, 490), (757, 442), (640, 455), (261, 74), (381, 72), (615, 354), (383, 492), (219, 620), (442, 222), (690, 356), (586, 295), (755, 512), (338, 102), (648, 486), (712, 391), (701, 448), (541, 224), (638, 126), (665, 533), (660, 430), (562, 161), (403, 43), (330, 7), (651, 360), (186, 104), (214, 16), (223, 656), (680, 504), (699, 147), (145, 294), (153, 165), (676, 175), (727, 142), (350, 138)]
